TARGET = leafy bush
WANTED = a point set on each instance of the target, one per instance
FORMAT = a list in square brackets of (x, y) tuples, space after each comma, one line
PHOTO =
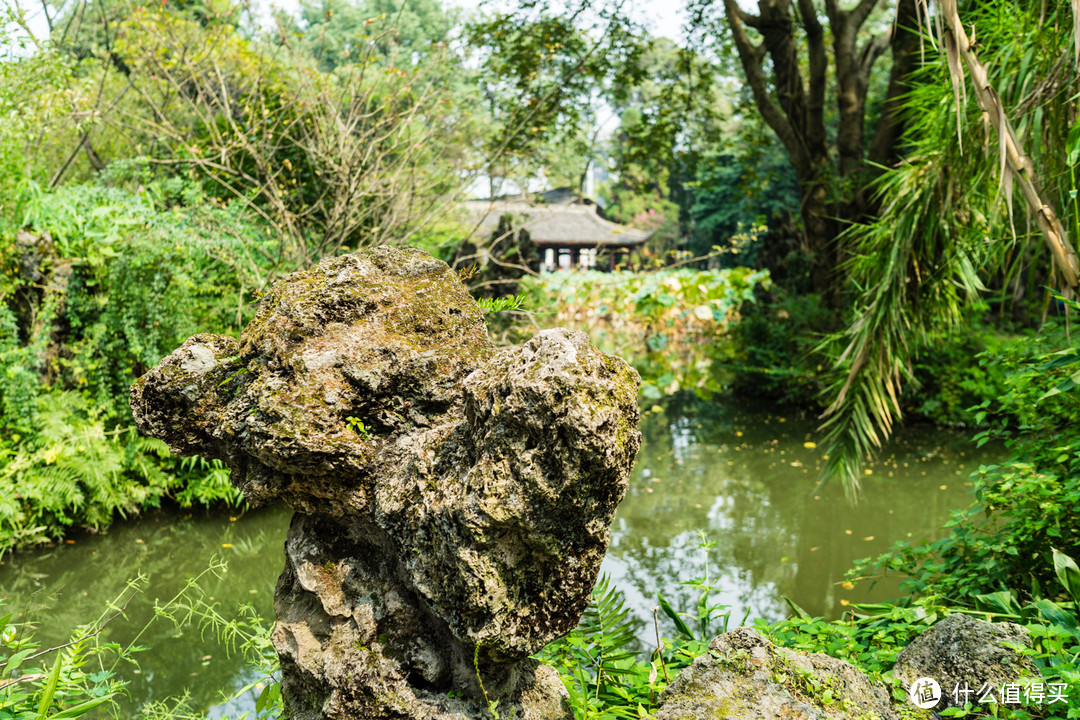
[(598, 661), (671, 324), (952, 375), (31, 686), (1023, 507), (100, 286), (774, 350), (872, 636)]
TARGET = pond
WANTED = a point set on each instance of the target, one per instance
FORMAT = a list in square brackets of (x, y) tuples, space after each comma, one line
[(743, 479)]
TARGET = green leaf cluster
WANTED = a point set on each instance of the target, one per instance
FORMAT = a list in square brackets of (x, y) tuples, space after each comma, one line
[(600, 667), (950, 234), (655, 319), (100, 283), (32, 691)]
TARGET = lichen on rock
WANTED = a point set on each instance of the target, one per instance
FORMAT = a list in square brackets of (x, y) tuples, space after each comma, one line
[(745, 676), (453, 501), (962, 653)]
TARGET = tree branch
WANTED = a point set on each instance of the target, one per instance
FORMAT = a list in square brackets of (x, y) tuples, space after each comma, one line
[(871, 51), (751, 55), (860, 12), (890, 126), (815, 40)]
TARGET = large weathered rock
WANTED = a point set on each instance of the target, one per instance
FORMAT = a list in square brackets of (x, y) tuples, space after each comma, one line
[(453, 502), (745, 676), (962, 653)]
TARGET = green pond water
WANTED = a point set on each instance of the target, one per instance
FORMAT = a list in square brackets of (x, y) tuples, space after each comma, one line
[(745, 479)]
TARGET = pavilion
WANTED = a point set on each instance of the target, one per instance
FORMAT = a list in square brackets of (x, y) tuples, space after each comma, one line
[(567, 232)]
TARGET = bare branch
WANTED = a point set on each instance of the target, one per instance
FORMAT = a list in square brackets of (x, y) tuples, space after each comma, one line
[(860, 12)]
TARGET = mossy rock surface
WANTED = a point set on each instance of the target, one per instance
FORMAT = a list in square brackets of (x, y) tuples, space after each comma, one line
[(961, 652), (745, 676), (454, 501)]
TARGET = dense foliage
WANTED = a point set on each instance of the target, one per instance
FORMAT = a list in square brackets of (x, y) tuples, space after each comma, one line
[(657, 320), (1025, 508), (100, 283), (951, 233)]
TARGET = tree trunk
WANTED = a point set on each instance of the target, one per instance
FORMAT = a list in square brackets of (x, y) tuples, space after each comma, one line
[(884, 147), (794, 108)]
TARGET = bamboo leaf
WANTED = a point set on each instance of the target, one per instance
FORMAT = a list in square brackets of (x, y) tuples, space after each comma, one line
[(1068, 573), (81, 709), (50, 686)]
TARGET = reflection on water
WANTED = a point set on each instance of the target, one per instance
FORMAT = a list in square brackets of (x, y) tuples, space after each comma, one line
[(745, 479), (748, 482), (76, 581)]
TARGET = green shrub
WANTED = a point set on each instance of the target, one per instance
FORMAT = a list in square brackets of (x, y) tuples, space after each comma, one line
[(954, 373), (599, 662), (774, 350), (672, 325), (101, 285), (1024, 507)]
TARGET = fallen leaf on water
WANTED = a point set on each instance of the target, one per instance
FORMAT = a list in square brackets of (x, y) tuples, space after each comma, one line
[(847, 532), (847, 585), (809, 445), (868, 538), (815, 548), (226, 545)]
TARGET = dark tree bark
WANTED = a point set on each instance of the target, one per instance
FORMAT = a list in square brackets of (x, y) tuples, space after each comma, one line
[(832, 181)]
